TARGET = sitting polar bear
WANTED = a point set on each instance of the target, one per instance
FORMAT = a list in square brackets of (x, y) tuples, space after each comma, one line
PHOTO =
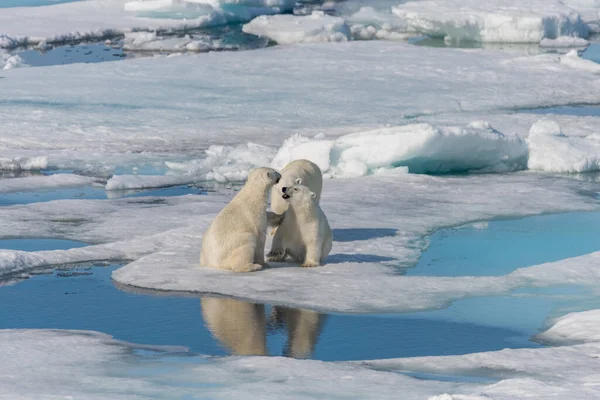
[(310, 176), (236, 238), (305, 233)]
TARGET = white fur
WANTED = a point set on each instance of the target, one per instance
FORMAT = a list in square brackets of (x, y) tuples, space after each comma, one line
[(307, 171), (236, 238), (302, 172), (305, 234)]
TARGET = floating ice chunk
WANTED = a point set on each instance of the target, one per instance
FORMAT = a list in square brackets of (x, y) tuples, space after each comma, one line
[(149, 41), (502, 21), (148, 5), (552, 151), (564, 41), (8, 61), (99, 19), (128, 182), (23, 163), (573, 60), (578, 327), (288, 29), (422, 148), (369, 23), (44, 182)]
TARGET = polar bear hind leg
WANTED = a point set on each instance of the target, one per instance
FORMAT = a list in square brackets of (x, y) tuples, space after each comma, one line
[(241, 259)]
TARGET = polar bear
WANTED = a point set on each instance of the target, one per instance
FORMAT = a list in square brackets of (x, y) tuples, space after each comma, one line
[(304, 233), (236, 238), (239, 325), (310, 176)]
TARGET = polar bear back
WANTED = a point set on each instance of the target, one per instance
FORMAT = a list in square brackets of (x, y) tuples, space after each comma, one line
[(241, 225), (311, 176)]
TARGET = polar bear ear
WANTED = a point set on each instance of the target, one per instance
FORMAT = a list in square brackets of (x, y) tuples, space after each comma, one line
[(298, 181), (313, 195)]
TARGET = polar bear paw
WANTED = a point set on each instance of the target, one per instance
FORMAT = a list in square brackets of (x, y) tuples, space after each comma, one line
[(248, 268), (309, 264), (276, 255)]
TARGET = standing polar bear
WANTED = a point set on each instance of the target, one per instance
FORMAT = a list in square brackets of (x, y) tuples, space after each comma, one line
[(310, 176), (305, 233), (236, 238)]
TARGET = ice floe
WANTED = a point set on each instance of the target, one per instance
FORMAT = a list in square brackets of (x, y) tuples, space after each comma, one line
[(578, 327), (564, 41), (91, 365), (569, 371), (8, 61), (98, 19), (501, 21), (56, 362), (379, 223), (288, 29), (361, 85), (420, 147), (44, 182), (149, 41), (23, 163)]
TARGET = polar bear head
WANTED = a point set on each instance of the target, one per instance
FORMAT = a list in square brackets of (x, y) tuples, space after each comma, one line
[(263, 177), (298, 194)]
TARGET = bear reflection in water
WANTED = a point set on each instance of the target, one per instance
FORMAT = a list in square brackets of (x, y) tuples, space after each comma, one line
[(242, 327)]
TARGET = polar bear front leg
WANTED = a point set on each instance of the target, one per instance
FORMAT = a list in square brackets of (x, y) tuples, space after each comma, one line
[(259, 251), (313, 255), (241, 259), (277, 253)]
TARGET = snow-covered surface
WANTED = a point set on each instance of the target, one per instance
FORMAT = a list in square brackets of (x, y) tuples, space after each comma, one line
[(366, 85), (96, 19), (288, 29), (501, 21), (579, 327)]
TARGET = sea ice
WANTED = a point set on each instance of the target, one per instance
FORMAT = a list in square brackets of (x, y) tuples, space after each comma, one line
[(502, 21), (288, 29), (546, 373), (366, 85), (91, 365), (44, 182), (578, 327), (149, 41), (420, 147), (564, 41), (8, 61), (552, 151), (23, 163), (97, 19)]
